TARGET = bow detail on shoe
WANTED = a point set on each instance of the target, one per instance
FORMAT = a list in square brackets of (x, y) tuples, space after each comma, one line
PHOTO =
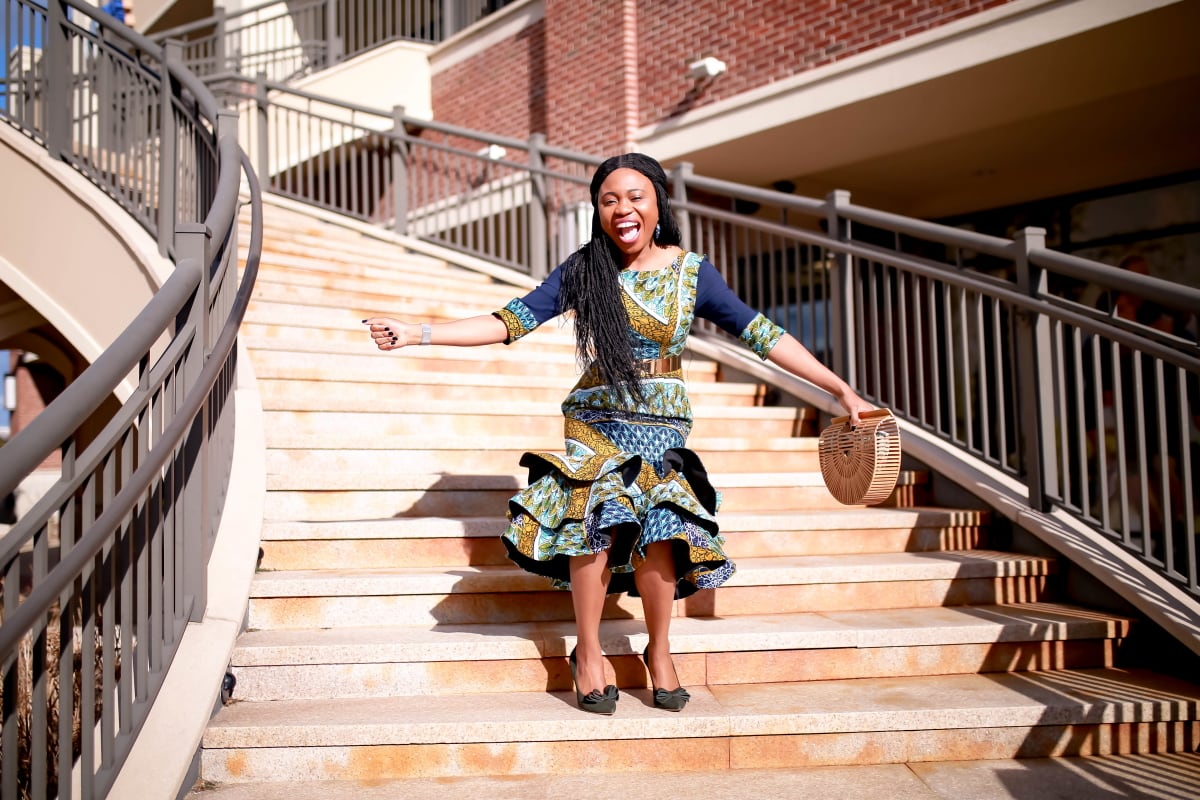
[(666, 699), (595, 701)]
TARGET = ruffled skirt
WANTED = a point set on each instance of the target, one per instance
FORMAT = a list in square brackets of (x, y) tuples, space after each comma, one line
[(606, 498)]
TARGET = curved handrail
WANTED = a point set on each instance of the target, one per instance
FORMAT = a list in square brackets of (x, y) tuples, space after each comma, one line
[(187, 278), (133, 515)]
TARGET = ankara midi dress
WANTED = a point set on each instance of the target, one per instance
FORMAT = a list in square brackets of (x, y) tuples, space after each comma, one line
[(626, 479)]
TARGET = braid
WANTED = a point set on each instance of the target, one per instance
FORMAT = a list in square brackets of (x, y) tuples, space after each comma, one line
[(591, 289)]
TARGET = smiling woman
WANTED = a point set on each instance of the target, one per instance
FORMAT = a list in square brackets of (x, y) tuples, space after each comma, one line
[(627, 507)]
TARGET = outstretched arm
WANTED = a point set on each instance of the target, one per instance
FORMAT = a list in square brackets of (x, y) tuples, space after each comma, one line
[(391, 334), (796, 359)]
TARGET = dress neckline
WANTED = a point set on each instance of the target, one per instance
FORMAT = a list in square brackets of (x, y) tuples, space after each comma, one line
[(674, 264)]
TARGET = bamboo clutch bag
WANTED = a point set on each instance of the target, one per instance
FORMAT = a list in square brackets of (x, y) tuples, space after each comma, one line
[(860, 466)]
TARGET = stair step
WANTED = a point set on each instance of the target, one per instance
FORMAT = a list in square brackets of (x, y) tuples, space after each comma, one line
[(374, 301), (473, 594), (371, 495), (347, 394), (528, 657), (440, 541), (1168, 776), (410, 415), (914, 718), (309, 258), (383, 298), (315, 359), (501, 454), (330, 339)]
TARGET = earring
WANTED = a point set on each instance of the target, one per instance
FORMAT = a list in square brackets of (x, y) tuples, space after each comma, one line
[(657, 231)]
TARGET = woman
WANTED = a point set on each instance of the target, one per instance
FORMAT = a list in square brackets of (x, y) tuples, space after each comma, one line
[(627, 508)]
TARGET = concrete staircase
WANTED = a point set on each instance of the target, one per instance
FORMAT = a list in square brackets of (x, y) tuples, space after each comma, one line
[(389, 639)]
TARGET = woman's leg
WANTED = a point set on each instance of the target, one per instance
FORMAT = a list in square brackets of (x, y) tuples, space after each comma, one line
[(655, 580), (589, 588)]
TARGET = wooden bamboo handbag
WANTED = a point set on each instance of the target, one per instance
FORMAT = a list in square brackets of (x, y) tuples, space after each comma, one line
[(860, 466)]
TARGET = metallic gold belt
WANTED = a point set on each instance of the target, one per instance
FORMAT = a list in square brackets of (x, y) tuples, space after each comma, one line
[(660, 366)]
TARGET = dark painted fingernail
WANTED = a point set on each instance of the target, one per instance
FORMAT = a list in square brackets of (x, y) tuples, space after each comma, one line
[(853, 427), (393, 340), (364, 320)]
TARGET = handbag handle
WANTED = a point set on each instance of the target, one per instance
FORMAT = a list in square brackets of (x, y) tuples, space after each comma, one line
[(872, 414)]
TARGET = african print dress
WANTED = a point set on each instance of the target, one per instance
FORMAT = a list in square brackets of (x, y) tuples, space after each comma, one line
[(626, 480)]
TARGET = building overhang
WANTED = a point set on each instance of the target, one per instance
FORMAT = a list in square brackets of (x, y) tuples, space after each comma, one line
[(1028, 100)]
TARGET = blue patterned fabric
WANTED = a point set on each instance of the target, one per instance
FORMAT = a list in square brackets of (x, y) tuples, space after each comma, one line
[(761, 335), (519, 320), (626, 479)]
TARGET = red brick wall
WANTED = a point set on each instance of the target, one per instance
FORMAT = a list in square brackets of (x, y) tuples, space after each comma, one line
[(587, 61), (762, 41), (573, 74), (501, 91)]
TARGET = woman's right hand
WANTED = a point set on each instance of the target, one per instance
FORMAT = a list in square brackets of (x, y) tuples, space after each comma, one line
[(390, 334)]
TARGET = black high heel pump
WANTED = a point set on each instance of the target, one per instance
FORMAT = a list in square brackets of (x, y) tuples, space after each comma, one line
[(594, 701), (670, 700)]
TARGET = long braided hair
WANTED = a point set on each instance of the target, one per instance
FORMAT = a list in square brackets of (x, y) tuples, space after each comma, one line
[(590, 287)]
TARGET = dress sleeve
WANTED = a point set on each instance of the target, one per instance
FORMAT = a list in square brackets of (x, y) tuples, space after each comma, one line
[(716, 302), (524, 314)]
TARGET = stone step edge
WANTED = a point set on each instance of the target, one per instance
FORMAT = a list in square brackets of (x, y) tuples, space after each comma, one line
[(387, 480), (1149, 772), (266, 347), (905, 704), (299, 254), (553, 410), (946, 565), (326, 385), (546, 443), (917, 627), (852, 518)]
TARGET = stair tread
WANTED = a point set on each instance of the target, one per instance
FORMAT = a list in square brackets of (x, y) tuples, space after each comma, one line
[(526, 408), (782, 444), (1086, 696), (389, 478), (852, 517), (938, 625), (1159, 776), (774, 570), (322, 387), (310, 348)]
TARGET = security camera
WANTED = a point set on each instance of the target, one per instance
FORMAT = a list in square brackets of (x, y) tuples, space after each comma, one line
[(705, 68)]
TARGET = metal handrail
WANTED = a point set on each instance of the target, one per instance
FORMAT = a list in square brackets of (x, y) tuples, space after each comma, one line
[(114, 556)]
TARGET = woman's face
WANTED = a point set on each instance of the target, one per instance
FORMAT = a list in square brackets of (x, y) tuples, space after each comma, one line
[(628, 210)]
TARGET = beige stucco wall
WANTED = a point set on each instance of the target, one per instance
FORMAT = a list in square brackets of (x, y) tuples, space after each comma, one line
[(396, 74), (68, 250)]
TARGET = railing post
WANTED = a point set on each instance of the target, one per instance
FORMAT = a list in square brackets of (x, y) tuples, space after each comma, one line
[(262, 103), (333, 44), (449, 19), (219, 53), (399, 171), (1033, 366), (191, 244), (227, 126), (168, 168), (539, 224), (841, 284), (679, 180), (57, 102)]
